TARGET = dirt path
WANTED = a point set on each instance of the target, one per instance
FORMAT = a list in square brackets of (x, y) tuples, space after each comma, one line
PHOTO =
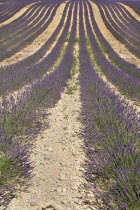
[(115, 44), (58, 154), (58, 157)]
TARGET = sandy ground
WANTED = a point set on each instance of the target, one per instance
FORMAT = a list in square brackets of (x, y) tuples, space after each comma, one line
[(28, 86), (58, 157), (38, 42), (114, 88), (115, 44), (58, 154)]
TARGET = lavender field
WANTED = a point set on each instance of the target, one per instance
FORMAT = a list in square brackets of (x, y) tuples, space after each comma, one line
[(69, 105)]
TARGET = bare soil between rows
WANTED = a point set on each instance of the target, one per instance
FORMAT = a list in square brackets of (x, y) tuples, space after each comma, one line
[(59, 154)]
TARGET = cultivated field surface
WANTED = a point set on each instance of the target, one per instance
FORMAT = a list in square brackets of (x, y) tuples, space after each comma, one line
[(69, 105)]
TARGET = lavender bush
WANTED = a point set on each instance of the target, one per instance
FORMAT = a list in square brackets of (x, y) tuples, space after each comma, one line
[(13, 29), (111, 132), (19, 118), (26, 38), (124, 30), (107, 49), (34, 58), (135, 6), (17, 23), (109, 25), (110, 125), (129, 22), (37, 20), (11, 8), (24, 76), (126, 84)]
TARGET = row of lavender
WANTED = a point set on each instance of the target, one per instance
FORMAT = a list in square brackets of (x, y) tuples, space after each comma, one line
[(126, 80), (130, 41), (97, 115), (124, 22), (21, 119), (28, 17), (127, 30), (27, 71), (20, 21), (31, 16), (127, 15), (111, 131), (114, 58), (10, 8), (135, 6), (40, 53), (19, 38)]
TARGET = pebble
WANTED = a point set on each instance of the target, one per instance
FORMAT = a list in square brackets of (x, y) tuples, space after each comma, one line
[(59, 189), (33, 201), (62, 177), (74, 187), (77, 201), (46, 158), (39, 162), (49, 204), (59, 207), (64, 201), (52, 205), (50, 149), (63, 194), (75, 177), (64, 190), (93, 208)]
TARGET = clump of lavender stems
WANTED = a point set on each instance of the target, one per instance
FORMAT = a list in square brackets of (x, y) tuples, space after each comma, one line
[(111, 130), (19, 120)]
